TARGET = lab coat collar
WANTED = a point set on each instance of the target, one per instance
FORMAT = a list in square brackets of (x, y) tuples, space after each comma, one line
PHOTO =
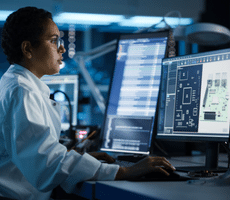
[(38, 85)]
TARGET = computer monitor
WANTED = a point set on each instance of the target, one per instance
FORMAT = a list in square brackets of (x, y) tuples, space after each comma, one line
[(133, 96), (194, 101), (69, 84)]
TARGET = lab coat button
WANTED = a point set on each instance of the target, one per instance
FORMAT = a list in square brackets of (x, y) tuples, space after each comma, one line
[(54, 104)]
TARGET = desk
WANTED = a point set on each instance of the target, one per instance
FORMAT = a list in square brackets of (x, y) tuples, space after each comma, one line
[(119, 190)]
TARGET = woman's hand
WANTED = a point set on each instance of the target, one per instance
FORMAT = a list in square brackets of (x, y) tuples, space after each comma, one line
[(144, 166)]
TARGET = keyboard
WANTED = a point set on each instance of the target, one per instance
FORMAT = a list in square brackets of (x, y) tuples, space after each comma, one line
[(155, 176), (158, 176)]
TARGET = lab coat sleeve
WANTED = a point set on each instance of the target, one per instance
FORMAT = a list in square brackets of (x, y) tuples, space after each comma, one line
[(37, 153), (105, 172)]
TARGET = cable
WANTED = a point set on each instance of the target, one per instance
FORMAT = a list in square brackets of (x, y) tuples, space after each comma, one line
[(170, 13), (72, 136), (167, 26), (227, 148), (161, 149)]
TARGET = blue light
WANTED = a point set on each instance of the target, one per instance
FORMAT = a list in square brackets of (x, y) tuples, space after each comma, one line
[(87, 19), (90, 19), (141, 21), (174, 21), (120, 20), (4, 14)]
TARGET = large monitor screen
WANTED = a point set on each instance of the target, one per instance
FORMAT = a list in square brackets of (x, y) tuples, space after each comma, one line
[(69, 85), (134, 93), (194, 97)]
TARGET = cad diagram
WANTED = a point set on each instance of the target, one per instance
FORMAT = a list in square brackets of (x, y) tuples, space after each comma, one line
[(187, 98), (215, 102)]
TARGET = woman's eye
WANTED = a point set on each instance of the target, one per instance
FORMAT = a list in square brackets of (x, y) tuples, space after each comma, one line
[(54, 41)]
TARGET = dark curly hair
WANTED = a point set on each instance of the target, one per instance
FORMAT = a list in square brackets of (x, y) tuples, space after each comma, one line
[(25, 24)]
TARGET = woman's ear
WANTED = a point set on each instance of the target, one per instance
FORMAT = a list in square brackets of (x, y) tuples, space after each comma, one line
[(26, 49)]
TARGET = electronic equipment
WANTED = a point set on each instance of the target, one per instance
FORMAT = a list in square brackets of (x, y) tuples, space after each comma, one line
[(133, 96), (69, 84), (194, 101)]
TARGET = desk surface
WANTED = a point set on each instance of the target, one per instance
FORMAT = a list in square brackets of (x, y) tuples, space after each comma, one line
[(157, 190)]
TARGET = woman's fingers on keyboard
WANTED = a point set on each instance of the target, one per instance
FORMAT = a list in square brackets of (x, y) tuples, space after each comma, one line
[(161, 170), (145, 166), (162, 161), (153, 162)]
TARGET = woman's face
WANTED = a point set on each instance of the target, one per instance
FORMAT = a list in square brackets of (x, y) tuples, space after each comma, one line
[(46, 58)]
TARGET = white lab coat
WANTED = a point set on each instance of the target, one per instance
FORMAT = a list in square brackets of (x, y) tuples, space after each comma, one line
[(32, 161)]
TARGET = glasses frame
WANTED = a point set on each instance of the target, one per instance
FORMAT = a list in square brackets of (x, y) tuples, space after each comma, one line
[(60, 42)]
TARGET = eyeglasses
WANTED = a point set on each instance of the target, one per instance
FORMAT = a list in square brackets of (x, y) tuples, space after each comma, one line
[(60, 42)]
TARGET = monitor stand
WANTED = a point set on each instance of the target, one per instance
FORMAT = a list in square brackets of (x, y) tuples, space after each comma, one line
[(211, 164)]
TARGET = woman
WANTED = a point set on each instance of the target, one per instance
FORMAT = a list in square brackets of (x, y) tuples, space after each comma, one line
[(32, 161)]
